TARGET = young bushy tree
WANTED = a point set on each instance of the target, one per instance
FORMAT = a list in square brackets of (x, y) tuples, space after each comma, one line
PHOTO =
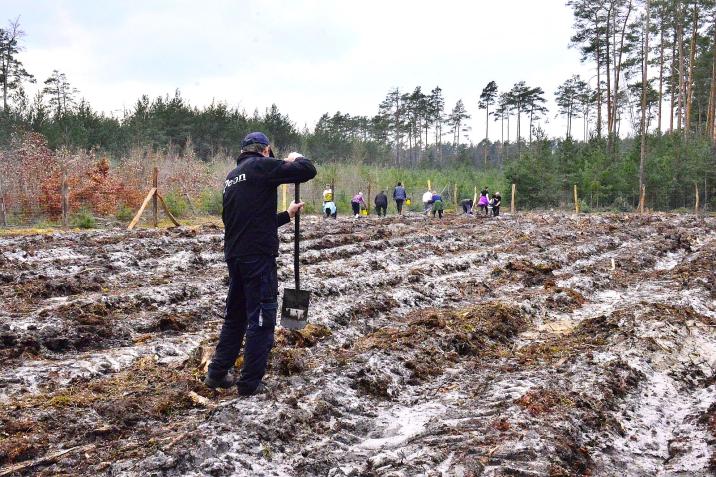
[(60, 93), (12, 71), (487, 99)]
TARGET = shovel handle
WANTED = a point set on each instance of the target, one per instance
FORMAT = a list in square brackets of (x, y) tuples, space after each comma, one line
[(297, 237)]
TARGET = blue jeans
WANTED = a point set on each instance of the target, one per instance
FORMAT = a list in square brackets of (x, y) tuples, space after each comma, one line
[(251, 307)]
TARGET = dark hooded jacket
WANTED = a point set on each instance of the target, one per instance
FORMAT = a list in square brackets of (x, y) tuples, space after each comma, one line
[(250, 202)]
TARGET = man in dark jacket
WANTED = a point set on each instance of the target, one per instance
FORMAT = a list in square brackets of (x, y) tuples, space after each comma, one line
[(381, 203), (250, 251), (399, 195)]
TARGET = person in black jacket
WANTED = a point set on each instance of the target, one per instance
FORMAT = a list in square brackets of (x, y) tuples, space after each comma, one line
[(496, 202), (250, 251), (381, 203)]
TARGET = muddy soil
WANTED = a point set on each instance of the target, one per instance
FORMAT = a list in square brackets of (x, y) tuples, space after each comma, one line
[(531, 345)]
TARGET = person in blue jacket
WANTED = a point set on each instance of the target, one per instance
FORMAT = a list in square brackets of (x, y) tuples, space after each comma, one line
[(438, 206), (250, 251), (399, 195)]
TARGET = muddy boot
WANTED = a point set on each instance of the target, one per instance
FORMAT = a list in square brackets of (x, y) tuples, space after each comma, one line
[(260, 389), (226, 382)]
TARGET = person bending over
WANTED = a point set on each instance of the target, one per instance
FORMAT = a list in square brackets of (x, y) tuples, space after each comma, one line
[(330, 209), (438, 205), (381, 203), (358, 202), (495, 203)]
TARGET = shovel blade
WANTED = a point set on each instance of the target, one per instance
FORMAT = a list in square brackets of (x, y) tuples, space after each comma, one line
[(294, 310)]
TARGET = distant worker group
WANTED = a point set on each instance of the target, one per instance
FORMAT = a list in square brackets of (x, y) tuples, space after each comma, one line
[(433, 203)]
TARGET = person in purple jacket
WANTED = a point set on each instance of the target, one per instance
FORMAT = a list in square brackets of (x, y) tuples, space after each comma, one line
[(357, 202), (484, 201)]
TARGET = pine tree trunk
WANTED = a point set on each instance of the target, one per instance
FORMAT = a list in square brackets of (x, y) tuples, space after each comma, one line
[(617, 69), (673, 82), (502, 135), (508, 127), (661, 73), (609, 73), (487, 129), (4, 84), (692, 56), (531, 116), (644, 84), (710, 129), (586, 121), (680, 41), (519, 114), (599, 78)]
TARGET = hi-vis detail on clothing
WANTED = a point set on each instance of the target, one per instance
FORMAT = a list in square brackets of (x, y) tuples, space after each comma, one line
[(228, 183)]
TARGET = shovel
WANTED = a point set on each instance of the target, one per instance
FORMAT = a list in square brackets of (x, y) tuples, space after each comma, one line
[(294, 310)]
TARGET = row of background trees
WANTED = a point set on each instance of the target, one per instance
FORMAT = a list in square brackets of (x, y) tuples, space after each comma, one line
[(646, 117)]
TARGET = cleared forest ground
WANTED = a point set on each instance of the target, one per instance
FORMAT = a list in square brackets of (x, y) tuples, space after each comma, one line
[(525, 345)]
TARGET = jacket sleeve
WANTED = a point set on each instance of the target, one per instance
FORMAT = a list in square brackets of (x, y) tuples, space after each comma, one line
[(282, 218), (283, 172)]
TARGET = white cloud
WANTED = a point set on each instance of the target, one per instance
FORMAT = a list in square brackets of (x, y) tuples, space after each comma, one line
[(308, 57)]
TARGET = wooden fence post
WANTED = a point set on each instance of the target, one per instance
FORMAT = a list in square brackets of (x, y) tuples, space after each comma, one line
[(64, 191), (455, 200), (284, 194), (367, 202), (3, 214), (512, 202), (155, 181), (576, 199), (156, 198), (430, 187), (696, 204)]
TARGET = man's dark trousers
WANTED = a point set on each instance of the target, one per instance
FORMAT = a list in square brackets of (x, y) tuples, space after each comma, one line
[(250, 310)]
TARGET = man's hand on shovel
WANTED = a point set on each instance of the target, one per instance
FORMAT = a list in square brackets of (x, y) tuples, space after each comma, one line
[(295, 208), (293, 156)]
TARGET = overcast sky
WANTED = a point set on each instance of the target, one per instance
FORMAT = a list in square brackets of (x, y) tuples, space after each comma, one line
[(308, 57)]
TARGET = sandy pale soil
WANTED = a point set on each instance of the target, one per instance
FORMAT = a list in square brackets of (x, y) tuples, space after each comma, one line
[(534, 345)]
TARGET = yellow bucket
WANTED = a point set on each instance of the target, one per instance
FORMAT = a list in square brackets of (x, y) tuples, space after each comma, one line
[(408, 202), (364, 212)]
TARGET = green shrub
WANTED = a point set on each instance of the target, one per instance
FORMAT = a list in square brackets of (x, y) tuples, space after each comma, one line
[(211, 201), (621, 204), (83, 219), (584, 206), (176, 204), (124, 213)]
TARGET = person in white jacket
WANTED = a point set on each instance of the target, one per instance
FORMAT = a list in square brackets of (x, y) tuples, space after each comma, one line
[(427, 201)]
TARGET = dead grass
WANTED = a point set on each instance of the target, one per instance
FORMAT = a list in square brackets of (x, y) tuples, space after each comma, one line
[(134, 403)]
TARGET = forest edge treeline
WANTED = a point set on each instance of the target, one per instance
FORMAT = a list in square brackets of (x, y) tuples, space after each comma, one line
[(654, 63)]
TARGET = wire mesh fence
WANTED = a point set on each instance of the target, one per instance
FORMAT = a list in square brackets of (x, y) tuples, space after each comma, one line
[(39, 186), (89, 194)]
